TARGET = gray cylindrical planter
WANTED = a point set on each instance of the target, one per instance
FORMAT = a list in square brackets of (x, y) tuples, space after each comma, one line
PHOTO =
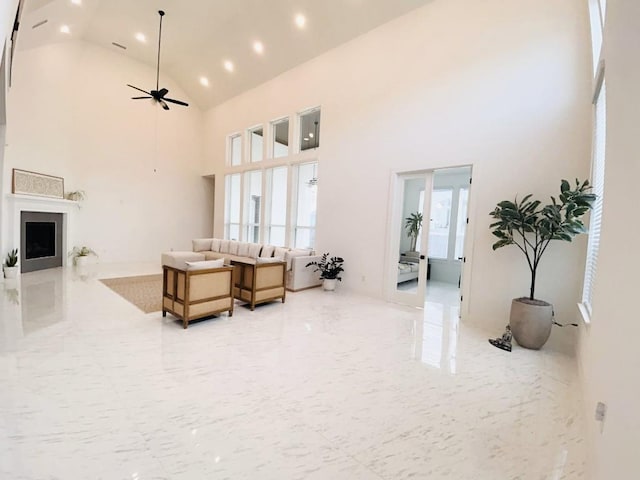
[(531, 322)]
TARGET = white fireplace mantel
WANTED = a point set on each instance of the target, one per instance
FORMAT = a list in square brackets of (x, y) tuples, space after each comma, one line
[(27, 203)]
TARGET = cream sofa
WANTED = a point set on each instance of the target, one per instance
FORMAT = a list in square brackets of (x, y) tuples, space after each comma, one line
[(297, 276)]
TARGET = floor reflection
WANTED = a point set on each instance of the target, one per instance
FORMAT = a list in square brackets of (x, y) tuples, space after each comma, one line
[(437, 332)]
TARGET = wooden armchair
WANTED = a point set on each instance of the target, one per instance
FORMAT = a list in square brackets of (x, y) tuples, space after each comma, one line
[(192, 294), (256, 282)]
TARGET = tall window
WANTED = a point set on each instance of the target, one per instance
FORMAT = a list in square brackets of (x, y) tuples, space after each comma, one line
[(252, 205), (276, 206), (440, 223), (597, 10), (232, 207), (305, 208), (597, 176), (273, 201)]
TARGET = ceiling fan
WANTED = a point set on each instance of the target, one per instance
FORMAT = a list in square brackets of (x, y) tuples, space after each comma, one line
[(159, 93)]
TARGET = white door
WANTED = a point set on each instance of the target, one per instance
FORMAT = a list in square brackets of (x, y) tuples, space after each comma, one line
[(407, 255)]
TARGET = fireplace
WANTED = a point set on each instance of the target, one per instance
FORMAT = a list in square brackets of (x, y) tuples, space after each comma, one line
[(40, 240)]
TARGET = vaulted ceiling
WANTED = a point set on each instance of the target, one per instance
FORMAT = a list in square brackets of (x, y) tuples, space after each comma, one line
[(199, 36)]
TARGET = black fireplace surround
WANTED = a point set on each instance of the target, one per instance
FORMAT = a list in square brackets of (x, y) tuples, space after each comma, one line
[(40, 240)]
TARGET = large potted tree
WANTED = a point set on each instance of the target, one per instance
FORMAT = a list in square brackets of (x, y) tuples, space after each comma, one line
[(531, 227)]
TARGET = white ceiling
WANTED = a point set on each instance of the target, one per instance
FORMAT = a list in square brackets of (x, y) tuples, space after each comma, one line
[(198, 35)]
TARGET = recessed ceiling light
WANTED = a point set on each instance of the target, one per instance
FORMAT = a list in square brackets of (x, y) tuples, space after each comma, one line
[(258, 47), (306, 139), (141, 37), (300, 20), (76, 2), (65, 29), (204, 81), (228, 66), (310, 135)]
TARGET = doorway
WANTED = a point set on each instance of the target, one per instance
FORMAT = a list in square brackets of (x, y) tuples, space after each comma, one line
[(427, 251)]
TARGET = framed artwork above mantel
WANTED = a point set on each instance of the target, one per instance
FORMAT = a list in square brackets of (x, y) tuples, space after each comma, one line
[(37, 184)]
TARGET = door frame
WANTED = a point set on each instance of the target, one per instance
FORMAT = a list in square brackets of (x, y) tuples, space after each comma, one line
[(396, 195)]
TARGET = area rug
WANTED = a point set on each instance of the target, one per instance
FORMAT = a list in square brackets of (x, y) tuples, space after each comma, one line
[(144, 291)]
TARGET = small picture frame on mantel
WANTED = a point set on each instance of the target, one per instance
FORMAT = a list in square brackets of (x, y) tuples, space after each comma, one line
[(37, 184)]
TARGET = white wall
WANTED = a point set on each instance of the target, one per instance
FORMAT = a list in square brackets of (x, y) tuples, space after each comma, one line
[(504, 86), (70, 115), (609, 352)]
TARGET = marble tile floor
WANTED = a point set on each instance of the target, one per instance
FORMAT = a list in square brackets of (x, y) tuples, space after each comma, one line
[(325, 386)]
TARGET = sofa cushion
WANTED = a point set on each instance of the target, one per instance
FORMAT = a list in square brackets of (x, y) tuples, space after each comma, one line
[(215, 244), (224, 246), (254, 250), (243, 249), (205, 264), (214, 255), (233, 247), (267, 251), (202, 244), (280, 252)]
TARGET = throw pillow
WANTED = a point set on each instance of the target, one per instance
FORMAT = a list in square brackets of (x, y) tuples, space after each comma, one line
[(243, 249), (254, 250), (215, 245), (267, 260), (280, 252), (202, 244), (205, 265), (224, 246), (267, 251), (233, 247)]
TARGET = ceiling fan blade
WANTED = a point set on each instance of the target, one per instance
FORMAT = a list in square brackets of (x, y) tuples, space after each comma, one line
[(162, 92), (178, 102), (164, 105), (143, 91), (139, 98)]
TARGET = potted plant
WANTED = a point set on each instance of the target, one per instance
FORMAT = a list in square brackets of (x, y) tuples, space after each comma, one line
[(10, 264), (531, 227), (80, 255), (330, 270), (413, 224)]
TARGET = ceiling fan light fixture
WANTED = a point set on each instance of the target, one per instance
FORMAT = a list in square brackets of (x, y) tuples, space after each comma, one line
[(159, 94)]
